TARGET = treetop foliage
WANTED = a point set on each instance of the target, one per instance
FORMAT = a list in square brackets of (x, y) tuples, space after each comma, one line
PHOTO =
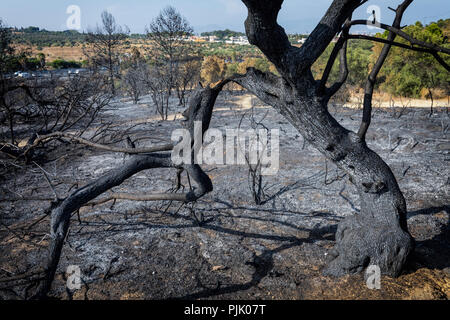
[(414, 74), (405, 73), (223, 34)]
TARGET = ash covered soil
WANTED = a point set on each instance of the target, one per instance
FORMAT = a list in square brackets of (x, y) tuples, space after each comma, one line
[(226, 246)]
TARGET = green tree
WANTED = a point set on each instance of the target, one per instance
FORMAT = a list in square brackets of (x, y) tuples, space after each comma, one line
[(41, 58), (261, 64), (63, 64), (6, 48), (358, 57), (213, 70), (409, 73)]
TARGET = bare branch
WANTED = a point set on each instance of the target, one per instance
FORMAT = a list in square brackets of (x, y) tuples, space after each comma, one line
[(397, 31), (56, 135), (341, 48), (401, 45), (48, 181), (370, 84), (264, 32), (61, 215), (199, 110), (183, 197)]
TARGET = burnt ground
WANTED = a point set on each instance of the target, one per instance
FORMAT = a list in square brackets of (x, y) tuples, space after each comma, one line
[(226, 247)]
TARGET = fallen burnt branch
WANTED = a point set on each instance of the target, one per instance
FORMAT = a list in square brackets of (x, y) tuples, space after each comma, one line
[(58, 135), (27, 277), (27, 151), (43, 199), (183, 197), (61, 215)]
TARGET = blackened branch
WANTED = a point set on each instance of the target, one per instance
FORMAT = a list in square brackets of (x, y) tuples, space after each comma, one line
[(370, 84)]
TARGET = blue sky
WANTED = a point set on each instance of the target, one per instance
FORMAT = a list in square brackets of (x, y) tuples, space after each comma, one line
[(204, 15)]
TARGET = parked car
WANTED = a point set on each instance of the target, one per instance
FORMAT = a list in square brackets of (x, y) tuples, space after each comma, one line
[(24, 75), (77, 71)]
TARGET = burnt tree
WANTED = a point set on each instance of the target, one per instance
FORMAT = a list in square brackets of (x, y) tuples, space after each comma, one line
[(378, 234), (103, 50)]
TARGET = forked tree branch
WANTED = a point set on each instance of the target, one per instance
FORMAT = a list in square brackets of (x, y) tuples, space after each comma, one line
[(394, 30), (415, 45), (263, 31), (330, 25)]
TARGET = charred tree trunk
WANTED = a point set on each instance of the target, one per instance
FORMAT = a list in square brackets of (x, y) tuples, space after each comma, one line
[(378, 235)]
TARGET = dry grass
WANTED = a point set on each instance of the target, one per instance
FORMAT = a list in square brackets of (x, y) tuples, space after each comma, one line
[(74, 53)]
